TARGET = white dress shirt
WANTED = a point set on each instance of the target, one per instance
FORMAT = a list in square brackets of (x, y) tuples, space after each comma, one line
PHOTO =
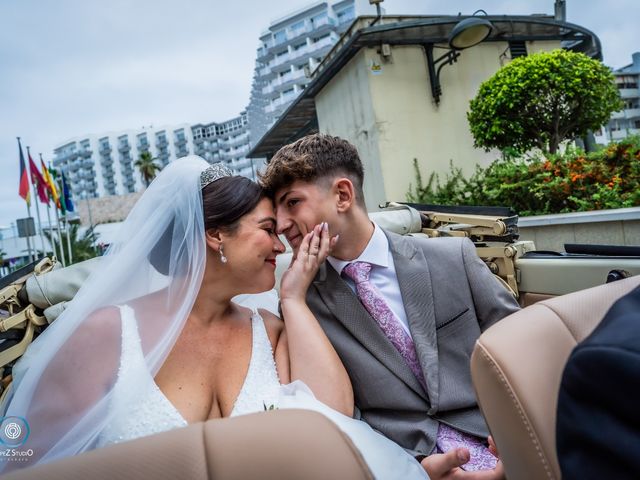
[(383, 273)]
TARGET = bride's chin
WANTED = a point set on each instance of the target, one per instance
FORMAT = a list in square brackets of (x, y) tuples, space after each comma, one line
[(263, 286)]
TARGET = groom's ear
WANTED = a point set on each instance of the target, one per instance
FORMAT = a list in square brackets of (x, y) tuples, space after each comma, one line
[(345, 193), (213, 239)]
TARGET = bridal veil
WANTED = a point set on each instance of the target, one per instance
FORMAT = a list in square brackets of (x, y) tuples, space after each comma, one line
[(63, 384)]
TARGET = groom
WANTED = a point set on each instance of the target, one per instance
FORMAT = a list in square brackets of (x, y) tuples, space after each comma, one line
[(403, 313)]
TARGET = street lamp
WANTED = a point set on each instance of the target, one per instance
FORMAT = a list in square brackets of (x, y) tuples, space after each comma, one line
[(466, 33)]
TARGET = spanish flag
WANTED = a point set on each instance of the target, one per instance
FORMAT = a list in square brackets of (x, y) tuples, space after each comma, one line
[(50, 184), (23, 190)]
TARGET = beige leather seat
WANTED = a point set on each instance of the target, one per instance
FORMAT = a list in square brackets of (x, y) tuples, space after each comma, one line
[(517, 367), (282, 444)]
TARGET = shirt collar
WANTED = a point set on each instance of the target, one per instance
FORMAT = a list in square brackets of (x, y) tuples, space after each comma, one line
[(376, 252)]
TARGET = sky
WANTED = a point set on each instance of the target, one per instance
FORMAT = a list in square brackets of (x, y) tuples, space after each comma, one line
[(74, 67)]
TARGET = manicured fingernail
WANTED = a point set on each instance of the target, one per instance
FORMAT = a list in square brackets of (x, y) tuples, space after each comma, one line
[(325, 226), (337, 237)]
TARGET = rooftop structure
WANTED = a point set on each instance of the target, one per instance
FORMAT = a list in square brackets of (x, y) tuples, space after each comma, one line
[(383, 88)]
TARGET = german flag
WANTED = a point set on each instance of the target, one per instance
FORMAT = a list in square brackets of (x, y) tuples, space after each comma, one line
[(23, 190)]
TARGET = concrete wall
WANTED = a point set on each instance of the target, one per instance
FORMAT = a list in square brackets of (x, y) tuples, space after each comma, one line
[(606, 227), (385, 108), (109, 209), (345, 109)]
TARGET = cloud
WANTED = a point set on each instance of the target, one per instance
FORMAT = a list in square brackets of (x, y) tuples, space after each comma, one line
[(72, 67)]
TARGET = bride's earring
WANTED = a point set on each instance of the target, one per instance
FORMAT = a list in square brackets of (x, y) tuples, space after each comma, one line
[(223, 259)]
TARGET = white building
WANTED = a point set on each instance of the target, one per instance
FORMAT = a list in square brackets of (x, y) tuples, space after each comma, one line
[(289, 50), (103, 164), (225, 142), (627, 121)]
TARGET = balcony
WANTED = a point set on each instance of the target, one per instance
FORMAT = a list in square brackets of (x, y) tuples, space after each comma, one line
[(104, 149), (323, 22), (87, 163), (124, 148), (632, 113), (161, 142), (629, 93), (327, 41), (182, 152), (624, 133)]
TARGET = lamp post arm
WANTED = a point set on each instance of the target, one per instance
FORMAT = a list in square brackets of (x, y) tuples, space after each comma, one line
[(434, 73)]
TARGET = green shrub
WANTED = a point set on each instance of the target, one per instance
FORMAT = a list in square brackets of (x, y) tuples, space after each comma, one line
[(568, 182)]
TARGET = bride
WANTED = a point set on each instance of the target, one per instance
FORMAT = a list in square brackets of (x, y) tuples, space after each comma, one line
[(153, 341)]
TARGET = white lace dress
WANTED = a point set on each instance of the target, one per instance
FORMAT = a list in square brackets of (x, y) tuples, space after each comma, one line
[(148, 410)]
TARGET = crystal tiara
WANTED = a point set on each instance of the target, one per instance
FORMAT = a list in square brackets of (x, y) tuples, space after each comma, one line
[(213, 173)]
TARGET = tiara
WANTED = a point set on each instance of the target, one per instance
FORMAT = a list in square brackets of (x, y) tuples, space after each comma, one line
[(213, 173)]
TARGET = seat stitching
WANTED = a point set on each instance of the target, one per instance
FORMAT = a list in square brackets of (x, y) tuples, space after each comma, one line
[(519, 408)]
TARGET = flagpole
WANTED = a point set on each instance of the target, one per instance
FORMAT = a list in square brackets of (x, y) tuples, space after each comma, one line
[(28, 205), (66, 218), (36, 202), (61, 247), (51, 237)]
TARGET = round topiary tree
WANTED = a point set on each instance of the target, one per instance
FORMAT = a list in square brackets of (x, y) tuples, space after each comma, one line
[(541, 100)]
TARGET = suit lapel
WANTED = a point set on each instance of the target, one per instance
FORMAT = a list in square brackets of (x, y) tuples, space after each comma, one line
[(417, 295), (346, 307)]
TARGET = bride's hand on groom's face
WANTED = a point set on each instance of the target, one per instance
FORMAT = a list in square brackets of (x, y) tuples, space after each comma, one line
[(314, 249)]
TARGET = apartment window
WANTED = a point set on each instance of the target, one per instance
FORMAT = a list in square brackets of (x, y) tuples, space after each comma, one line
[(346, 15), (299, 46), (281, 54), (297, 27), (280, 37), (287, 92)]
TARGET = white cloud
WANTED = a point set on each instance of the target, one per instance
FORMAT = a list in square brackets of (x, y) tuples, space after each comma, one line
[(73, 67)]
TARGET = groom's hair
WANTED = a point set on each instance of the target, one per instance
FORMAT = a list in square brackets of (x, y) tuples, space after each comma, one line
[(314, 158)]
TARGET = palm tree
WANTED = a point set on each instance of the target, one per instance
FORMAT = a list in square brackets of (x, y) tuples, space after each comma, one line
[(81, 248), (147, 167)]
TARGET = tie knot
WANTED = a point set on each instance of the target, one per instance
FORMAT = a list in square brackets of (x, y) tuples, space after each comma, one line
[(358, 271)]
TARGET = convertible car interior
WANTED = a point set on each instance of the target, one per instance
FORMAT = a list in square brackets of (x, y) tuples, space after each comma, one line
[(516, 366)]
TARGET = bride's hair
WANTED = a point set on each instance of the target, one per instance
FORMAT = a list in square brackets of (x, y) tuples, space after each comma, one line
[(224, 202), (227, 200)]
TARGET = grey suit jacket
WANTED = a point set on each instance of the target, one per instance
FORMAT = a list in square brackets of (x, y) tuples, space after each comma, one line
[(450, 297)]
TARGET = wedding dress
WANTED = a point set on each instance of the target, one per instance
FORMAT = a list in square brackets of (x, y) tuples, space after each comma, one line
[(139, 408)]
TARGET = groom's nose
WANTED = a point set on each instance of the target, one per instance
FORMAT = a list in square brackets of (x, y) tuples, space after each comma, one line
[(283, 222)]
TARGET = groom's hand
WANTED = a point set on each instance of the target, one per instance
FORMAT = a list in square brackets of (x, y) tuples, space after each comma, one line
[(446, 466)]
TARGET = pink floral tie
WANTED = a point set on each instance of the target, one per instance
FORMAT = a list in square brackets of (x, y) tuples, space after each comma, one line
[(372, 300)]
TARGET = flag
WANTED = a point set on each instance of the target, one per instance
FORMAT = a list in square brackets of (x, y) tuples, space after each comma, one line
[(37, 180), (50, 183), (67, 194), (56, 181), (23, 190)]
